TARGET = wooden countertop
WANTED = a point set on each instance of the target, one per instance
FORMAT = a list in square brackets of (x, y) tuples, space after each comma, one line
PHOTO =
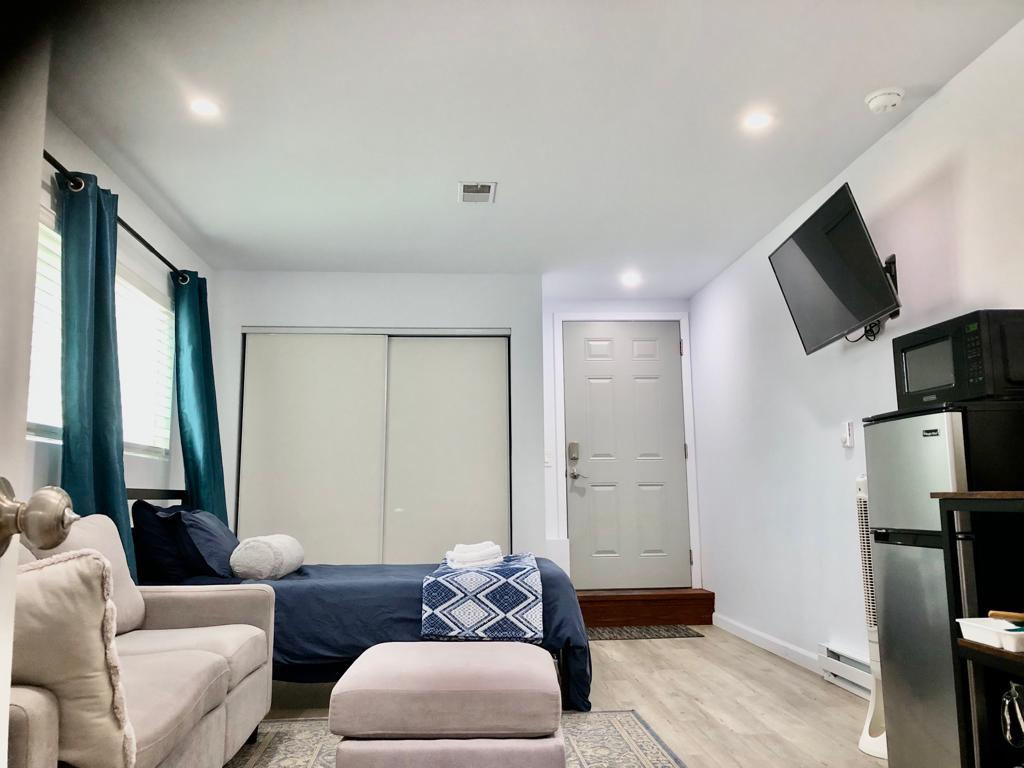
[(981, 496)]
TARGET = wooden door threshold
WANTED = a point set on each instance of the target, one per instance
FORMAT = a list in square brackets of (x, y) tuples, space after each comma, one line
[(646, 607)]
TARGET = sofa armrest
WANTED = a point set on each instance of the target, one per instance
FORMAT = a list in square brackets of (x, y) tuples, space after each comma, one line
[(178, 607), (34, 722)]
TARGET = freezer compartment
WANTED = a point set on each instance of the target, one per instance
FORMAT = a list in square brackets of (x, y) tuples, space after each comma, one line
[(916, 651), (909, 458)]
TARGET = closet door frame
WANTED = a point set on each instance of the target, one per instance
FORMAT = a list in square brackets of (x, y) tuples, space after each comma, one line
[(498, 333)]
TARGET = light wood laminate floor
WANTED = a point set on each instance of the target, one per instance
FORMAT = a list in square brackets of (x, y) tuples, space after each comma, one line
[(716, 701), (720, 701)]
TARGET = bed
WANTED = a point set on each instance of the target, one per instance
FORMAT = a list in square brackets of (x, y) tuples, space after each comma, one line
[(327, 615)]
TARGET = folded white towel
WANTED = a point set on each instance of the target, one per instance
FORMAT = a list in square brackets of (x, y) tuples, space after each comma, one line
[(463, 550), (488, 554), (451, 556), (453, 563), (474, 555)]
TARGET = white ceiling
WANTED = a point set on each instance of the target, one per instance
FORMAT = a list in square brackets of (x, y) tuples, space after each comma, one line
[(610, 126)]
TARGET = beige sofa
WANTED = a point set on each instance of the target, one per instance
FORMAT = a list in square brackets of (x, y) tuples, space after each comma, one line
[(195, 667)]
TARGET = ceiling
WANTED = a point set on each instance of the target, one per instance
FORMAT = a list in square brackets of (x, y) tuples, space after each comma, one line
[(610, 126)]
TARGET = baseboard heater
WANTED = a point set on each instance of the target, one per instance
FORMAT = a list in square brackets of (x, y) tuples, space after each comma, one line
[(845, 671)]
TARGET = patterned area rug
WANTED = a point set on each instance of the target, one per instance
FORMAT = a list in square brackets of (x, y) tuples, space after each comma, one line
[(592, 740), (664, 632)]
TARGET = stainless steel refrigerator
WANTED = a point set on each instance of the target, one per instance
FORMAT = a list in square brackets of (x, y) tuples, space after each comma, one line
[(910, 455)]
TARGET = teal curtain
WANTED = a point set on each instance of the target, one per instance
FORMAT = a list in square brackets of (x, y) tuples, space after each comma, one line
[(197, 396), (92, 469)]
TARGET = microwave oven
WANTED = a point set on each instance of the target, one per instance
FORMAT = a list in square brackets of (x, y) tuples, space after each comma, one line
[(979, 355)]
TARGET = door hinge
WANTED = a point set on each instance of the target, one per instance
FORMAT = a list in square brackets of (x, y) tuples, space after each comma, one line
[(682, 350), (686, 451), (691, 557)]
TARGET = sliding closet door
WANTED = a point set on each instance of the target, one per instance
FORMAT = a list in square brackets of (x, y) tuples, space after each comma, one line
[(312, 457), (447, 476)]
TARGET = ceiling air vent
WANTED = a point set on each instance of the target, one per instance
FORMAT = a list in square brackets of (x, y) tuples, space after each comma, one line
[(477, 191)]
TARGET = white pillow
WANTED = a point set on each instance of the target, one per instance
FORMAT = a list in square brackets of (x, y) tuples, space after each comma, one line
[(267, 557), (64, 625)]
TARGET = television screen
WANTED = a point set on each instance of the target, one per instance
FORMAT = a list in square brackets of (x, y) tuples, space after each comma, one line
[(830, 274)]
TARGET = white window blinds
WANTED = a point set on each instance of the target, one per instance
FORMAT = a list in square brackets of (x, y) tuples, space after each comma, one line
[(145, 346)]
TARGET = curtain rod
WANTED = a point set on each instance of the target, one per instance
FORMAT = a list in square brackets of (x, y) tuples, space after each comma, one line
[(72, 179)]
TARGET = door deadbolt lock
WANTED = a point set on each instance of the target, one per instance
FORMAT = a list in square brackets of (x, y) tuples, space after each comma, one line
[(44, 519), (573, 451)]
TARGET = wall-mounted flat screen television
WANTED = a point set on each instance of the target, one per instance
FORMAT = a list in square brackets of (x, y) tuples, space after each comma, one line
[(831, 276)]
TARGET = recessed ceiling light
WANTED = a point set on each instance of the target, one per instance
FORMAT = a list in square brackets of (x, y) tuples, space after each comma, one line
[(631, 279), (757, 121), (204, 107)]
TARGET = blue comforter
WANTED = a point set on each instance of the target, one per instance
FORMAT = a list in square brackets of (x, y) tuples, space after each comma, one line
[(329, 614)]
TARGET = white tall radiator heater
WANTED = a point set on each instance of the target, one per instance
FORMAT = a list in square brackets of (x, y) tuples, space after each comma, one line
[(872, 738)]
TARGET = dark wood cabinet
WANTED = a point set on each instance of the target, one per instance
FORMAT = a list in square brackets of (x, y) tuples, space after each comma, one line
[(983, 545)]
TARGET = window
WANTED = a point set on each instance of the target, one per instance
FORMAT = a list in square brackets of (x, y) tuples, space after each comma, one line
[(145, 346)]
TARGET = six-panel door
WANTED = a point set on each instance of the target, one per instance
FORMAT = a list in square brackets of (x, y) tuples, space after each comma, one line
[(628, 521)]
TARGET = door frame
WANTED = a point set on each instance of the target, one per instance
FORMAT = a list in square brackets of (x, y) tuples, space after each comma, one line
[(683, 318)]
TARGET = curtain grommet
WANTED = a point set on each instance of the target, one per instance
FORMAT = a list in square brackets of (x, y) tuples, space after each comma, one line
[(183, 278), (76, 184)]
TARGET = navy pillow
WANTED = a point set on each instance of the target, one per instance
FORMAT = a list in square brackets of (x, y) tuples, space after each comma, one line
[(159, 535), (213, 539)]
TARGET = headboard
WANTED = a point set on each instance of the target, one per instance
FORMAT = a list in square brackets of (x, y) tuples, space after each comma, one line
[(160, 494)]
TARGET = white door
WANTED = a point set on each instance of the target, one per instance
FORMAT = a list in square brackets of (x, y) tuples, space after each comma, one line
[(22, 121), (312, 449), (447, 476), (628, 519)]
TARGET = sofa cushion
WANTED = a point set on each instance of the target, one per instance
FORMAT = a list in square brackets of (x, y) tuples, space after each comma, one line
[(167, 695), (243, 647), (448, 690), (99, 532), (34, 728), (64, 642)]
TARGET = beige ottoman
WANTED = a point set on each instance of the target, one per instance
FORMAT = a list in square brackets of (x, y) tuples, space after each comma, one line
[(457, 705)]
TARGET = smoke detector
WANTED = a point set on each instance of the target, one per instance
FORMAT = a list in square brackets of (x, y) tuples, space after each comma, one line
[(477, 191), (884, 99)]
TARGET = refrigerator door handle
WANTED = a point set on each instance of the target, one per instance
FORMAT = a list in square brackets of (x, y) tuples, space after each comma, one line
[(901, 538)]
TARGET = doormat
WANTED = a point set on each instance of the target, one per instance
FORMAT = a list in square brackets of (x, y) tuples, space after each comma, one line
[(662, 632)]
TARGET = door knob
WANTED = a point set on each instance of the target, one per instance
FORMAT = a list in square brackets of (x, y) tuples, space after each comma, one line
[(44, 519), (574, 475)]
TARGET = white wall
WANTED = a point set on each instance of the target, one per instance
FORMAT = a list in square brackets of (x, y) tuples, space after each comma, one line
[(597, 309), (62, 143), (944, 191), (22, 114), (353, 300)]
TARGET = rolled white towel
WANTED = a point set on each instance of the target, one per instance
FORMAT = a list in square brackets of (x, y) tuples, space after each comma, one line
[(267, 557)]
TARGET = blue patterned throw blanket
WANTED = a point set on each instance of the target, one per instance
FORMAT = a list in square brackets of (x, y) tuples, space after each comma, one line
[(503, 601)]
